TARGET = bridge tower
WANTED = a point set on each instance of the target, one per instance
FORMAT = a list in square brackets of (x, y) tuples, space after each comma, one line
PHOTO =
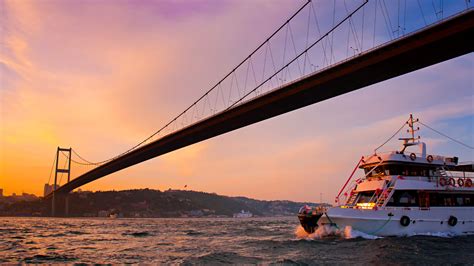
[(68, 153)]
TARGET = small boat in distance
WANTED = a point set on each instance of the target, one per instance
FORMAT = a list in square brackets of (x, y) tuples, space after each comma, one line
[(243, 214), (402, 193)]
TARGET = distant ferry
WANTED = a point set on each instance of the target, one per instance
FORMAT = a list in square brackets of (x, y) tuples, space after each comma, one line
[(243, 214), (402, 193)]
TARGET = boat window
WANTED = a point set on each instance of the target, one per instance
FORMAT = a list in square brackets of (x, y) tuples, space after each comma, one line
[(469, 201), (405, 198), (448, 201), (451, 199), (390, 201), (412, 171), (379, 171), (412, 198), (406, 170), (393, 170), (364, 197)]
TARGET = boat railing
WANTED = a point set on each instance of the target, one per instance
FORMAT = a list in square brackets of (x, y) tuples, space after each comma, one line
[(349, 181), (460, 181), (349, 192), (407, 154)]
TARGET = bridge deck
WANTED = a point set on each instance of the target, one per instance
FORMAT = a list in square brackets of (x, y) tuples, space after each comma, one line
[(443, 41)]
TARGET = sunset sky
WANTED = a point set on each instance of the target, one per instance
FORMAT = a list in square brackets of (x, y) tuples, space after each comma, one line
[(101, 76)]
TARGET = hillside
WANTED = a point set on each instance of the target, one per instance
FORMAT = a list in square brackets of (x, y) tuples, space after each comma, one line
[(155, 203)]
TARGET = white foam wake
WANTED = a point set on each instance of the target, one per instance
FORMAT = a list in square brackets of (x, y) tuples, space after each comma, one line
[(349, 233), (441, 234), (328, 230)]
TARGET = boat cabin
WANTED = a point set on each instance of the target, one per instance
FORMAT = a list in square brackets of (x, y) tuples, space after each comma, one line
[(416, 180)]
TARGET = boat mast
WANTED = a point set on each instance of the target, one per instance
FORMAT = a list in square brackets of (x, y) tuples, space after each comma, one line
[(412, 130), (410, 141)]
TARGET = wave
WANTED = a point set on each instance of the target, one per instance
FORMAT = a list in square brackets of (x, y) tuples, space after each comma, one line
[(193, 233), (76, 232), (137, 234), (223, 258), (48, 258)]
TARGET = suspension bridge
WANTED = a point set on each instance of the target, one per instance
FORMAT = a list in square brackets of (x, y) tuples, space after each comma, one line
[(318, 53)]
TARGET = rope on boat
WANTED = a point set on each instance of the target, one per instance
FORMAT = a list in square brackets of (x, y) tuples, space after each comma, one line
[(383, 225), (332, 223), (427, 126), (375, 151), (444, 135)]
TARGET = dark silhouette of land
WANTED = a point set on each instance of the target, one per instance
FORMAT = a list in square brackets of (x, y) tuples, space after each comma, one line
[(151, 203)]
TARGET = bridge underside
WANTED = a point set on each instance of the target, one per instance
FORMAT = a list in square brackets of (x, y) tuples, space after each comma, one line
[(441, 42)]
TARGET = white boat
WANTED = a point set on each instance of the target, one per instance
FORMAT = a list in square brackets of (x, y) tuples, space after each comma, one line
[(243, 214), (402, 193)]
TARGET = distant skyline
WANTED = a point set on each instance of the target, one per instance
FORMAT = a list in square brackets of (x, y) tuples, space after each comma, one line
[(100, 77)]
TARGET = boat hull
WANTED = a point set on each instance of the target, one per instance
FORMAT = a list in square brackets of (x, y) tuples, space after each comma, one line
[(402, 221), (309, 222)]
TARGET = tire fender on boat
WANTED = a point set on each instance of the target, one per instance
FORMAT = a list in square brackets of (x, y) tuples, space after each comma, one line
[(413, 156), (429, 158), (451, 182), (468, 182), (405, 220), (443, 181), (452, 221), (461, 182)]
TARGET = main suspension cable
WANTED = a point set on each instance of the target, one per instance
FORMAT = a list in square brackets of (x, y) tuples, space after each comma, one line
[(267, 40), (299, 55)]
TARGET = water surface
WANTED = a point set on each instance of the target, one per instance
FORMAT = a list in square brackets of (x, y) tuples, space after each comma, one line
[(256, 240)]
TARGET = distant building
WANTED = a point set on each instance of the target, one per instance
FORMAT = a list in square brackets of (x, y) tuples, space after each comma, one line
[(47, 189), (243, 214), (1, 192)]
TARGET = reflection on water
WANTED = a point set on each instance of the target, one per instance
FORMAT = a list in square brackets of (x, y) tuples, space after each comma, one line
[(256, 240)]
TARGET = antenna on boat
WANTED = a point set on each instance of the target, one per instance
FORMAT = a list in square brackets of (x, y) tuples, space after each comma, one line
[(410, 141), (412, 130)]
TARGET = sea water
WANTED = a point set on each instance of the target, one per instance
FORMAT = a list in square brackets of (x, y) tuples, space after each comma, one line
[(213, 240)]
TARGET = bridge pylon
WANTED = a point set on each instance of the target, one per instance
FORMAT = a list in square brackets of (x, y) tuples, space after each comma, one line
[(61, 170)]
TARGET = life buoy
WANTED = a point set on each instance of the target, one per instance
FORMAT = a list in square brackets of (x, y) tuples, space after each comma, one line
[(452, 221), (413, 156), (442, 181), (405, 220), (468, 182), (460, 182), (451, 182), (429, 158)]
